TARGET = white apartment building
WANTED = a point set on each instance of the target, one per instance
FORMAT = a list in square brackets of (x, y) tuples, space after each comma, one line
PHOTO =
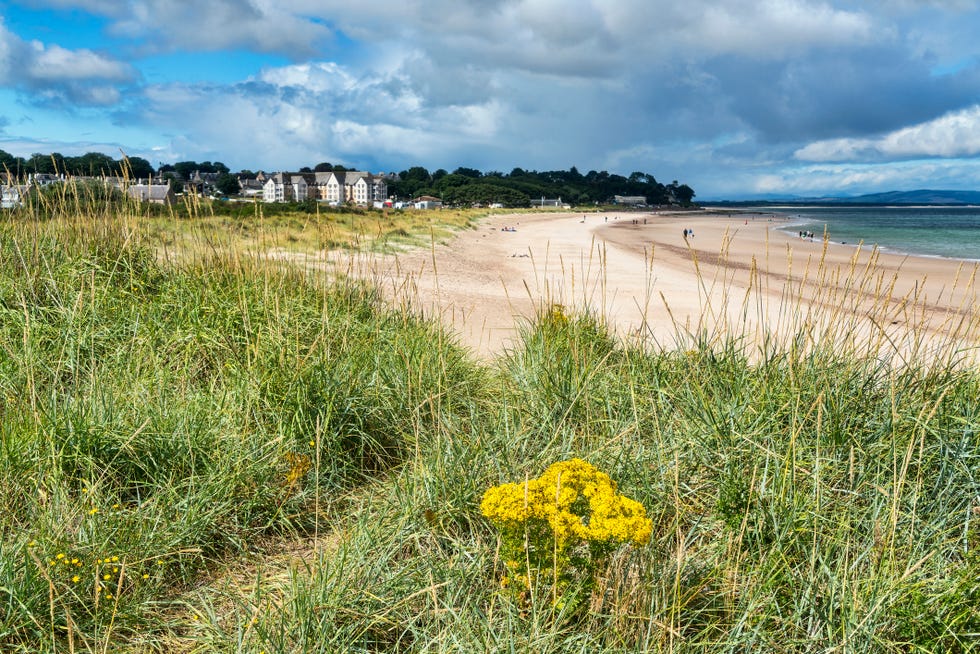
[(356, 187)]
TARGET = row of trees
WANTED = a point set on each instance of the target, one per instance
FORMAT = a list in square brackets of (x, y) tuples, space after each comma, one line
[(462, 186), (90, 164), (467, 185)]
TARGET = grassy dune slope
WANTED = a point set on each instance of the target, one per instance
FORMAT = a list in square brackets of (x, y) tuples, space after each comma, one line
[(169, 429)]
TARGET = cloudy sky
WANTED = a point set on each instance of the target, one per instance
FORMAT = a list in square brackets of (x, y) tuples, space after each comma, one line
[(736, 98)]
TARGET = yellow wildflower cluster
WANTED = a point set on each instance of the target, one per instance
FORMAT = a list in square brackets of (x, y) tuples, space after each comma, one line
[(299, 465), (562, 524), (76, 581), (577, 502)]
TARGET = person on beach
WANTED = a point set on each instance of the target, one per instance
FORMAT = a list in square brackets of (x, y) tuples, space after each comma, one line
[(685, 233)]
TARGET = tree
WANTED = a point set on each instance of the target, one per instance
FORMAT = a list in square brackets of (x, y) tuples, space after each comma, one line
[(176, 185), (683, 193), (306, 169), (139, 168), (468, 172), (186, 168), (323, 167), (227, 184)]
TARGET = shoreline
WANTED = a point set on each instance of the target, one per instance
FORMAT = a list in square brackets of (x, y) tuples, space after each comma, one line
[(738, 275)]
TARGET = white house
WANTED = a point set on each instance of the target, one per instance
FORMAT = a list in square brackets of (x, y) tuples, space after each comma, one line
[(427, 202), (11, 197)]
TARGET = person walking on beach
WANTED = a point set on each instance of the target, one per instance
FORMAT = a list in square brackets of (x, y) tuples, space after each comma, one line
[(685, 233)]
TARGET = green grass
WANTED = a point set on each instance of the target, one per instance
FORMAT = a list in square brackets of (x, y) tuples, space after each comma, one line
[(280, 463)]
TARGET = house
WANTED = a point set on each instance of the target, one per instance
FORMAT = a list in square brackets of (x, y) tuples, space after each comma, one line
[(251, 188), (427, 202), (630, 200), (11, 196), (155, 193), (45, 179), (548, 202)]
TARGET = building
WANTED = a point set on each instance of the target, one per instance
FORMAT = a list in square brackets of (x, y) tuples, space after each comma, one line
[(285, 187), (335, 188), (11, 196), (155, 193), (427, 202), (630, 200)]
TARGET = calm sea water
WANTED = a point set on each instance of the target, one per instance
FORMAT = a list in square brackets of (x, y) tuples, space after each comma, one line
[(932, 231)]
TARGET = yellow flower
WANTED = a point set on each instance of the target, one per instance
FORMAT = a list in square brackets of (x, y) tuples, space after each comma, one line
[(106, 577), (93, 510), (75, 579), (570, 504), (59, 556)]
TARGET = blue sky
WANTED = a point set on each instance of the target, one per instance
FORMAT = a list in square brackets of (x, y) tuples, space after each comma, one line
[(734, 97)]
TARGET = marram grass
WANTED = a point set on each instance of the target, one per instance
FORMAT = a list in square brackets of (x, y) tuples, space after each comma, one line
[(174, 423)]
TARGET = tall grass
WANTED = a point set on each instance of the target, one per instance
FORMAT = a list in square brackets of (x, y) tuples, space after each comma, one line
[(173, 423)]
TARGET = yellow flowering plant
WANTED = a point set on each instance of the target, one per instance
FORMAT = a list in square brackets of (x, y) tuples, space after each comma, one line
[(562, 525)]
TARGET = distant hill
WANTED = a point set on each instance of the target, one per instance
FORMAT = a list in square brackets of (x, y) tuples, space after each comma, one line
[(923, 196), (919, 197)]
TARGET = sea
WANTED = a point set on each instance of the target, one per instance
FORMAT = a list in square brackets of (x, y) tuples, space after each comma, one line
[(948, 232)]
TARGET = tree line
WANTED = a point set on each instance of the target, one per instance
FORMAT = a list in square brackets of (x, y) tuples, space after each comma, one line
[(90, 164), (519, 187)]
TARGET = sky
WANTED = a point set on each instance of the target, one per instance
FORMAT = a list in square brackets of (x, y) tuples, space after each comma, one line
[(736, 98)]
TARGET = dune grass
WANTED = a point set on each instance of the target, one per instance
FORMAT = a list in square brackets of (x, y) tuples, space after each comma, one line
[(172, 425)]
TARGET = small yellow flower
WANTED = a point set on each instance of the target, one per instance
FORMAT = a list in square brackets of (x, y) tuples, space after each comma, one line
[(75, 579), (33, 543), (106, 577), (146, 576), (115, 558), (59, 556), (75, 561), (93, 510), (115, 570)]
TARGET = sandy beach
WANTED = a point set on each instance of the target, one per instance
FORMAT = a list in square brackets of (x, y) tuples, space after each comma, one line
[(737, 274)]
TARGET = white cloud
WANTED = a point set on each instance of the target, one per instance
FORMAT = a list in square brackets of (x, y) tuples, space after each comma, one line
[(955, 134), (55, 74), (54, 63), (302, 114)]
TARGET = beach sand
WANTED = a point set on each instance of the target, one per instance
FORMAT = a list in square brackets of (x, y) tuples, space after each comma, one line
[(738, 275)]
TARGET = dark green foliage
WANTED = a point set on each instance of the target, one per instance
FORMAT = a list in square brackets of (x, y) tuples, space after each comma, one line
[(465, 186)]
